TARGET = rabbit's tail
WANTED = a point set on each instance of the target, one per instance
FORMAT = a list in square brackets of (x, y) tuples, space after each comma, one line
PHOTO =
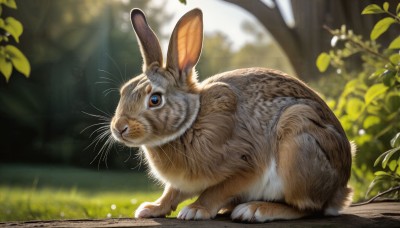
[(340, 200)]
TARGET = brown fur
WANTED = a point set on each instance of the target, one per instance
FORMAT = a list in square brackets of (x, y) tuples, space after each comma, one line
[(221, 138)]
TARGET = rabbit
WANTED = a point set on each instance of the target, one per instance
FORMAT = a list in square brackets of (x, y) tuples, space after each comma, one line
[(253, 143)]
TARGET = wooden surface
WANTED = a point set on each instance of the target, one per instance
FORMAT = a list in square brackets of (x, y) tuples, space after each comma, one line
[(370, 215)]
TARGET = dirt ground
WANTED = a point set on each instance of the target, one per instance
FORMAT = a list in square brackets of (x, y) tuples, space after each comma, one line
[(385, 214)]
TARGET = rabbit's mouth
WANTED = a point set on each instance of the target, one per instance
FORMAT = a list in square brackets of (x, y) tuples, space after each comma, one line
[(128, 131)]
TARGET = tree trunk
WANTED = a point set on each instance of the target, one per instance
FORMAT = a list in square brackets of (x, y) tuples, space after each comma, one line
[(303, 42)]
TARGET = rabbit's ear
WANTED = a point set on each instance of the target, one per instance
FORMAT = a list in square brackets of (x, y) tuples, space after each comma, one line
[(149, 45), (185, 45)]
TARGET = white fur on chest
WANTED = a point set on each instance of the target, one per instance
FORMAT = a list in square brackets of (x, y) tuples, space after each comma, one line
[(267, 188)]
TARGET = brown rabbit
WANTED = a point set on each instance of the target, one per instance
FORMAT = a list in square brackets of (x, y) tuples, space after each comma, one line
[(254, 142)]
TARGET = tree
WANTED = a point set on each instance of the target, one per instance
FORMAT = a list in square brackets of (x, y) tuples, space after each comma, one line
[(307, 38), (261, 52), (219, 56), (216, 55)]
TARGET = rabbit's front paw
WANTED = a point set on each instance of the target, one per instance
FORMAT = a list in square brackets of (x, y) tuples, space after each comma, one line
[(151, 210), (194, 212)]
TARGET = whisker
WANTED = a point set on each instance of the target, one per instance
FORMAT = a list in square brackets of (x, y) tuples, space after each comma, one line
[(107, 72), (109, 90), (98, 138), (116, 66), (167, 156), (109, 79), (97, 116), (130, 155), (103, 82), (104, 150), (105, 113), (100, 153), (103, 128), (139, 156), (125, 77), (94, 125)]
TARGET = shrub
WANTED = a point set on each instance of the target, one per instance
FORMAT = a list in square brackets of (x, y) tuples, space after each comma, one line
[(369, 105)]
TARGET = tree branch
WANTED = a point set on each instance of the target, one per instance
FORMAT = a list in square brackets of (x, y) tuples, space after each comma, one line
[(395, 188), (272, 20)]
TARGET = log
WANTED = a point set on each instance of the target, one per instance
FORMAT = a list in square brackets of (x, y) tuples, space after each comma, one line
[(383, 214)]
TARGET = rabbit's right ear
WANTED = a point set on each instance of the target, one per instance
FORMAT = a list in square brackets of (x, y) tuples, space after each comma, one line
[(149, 44), (185, 46)]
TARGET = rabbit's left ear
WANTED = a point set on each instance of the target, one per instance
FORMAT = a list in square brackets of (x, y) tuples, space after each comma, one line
[(149, 44), (185, 45)]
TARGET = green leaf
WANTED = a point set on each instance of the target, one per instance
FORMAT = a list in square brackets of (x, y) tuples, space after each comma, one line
[(392, 101), (398, 167), (377, 179), (10, 3), (388, 77), (395, 44), (374, 109), (379, 159), (354, 108), (392, 165), (398, 8), (395, 59), (374, 91), (377, 73), (395, 141), (18, 59), (13, 27), (346, 122), (183, 1), (388, 155), (372, 9), (5, 67), (323, 61), (381, 173), (386, 6), (371, 121), (381, 26), (350, 86)]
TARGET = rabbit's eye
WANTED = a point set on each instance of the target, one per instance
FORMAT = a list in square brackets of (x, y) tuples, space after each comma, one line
[(155, 100)]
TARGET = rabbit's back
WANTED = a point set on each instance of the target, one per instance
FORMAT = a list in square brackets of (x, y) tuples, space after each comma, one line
[(264, 93)]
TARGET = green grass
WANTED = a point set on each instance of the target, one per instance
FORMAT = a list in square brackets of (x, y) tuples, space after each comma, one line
[(48, 193)]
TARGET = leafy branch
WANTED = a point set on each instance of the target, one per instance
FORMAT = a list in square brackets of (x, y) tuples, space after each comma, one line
[(369, 106), (10, 56)]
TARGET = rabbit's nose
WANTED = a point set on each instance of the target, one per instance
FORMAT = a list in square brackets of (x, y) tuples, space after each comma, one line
[(127, 129), (121, 126), (122, 129)]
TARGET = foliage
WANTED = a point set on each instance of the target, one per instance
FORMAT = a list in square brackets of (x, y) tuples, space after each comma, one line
[(80, 55), (369, 105), (11, 56)]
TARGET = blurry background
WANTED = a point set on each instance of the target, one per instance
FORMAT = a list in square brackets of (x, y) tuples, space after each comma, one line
[(81, 52)]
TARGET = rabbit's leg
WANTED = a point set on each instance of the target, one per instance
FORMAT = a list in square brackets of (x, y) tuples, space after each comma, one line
[(162, 206), (312, 161), (214, 198), (259, 211)]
